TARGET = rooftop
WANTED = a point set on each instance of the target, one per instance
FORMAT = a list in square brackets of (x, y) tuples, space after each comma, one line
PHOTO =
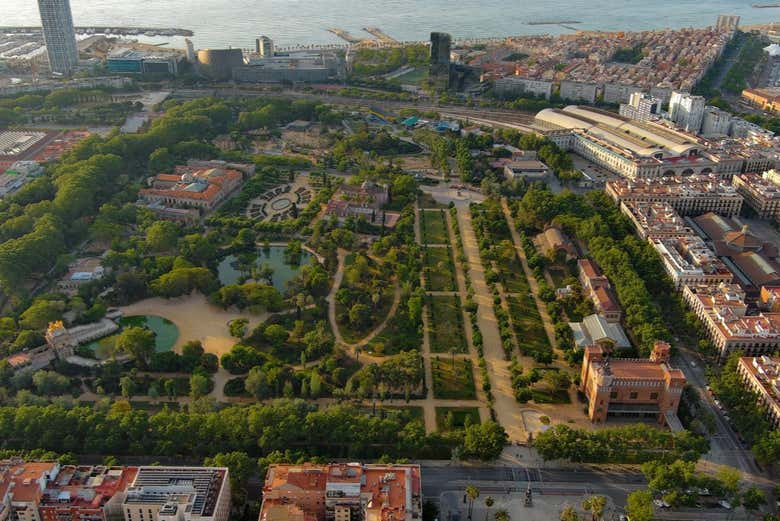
[(198, 487)]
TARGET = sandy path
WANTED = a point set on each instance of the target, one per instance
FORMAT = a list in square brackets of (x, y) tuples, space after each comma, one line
[(196, 319)]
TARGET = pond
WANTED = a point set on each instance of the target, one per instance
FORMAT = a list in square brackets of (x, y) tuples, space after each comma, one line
[(166, 334), (273, 256)]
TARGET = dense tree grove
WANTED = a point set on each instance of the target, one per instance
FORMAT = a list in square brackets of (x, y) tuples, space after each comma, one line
[(630, 444), (632, 265), (337, 431)]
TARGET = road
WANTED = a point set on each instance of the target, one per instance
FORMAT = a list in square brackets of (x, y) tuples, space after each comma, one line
[(616, 481), (726, 448)]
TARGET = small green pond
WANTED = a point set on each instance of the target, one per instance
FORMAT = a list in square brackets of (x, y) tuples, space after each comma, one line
[(166, 334), (229, 270)]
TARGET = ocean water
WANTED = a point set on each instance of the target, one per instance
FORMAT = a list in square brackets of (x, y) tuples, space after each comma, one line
[(222, 23)]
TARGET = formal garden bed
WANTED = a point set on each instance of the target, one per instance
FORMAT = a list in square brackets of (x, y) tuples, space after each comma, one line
[(453, 379), (446, 325)]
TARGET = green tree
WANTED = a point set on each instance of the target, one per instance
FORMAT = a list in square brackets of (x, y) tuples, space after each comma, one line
[(569, 514), (502, 515), (595, 505), (484, 441), (488, 505), (137, 342), (241, 468), (472, 493), (639, 506), (199, 386), (127, 386), (161, 236)]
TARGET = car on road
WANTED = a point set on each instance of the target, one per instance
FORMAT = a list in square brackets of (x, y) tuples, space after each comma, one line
[(693, 364), (725, 504)]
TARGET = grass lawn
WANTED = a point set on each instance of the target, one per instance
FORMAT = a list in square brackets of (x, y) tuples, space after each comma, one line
[(413, 77), (549, 396), (514, 277), (453, 383), (446, 325), (528, 324), (439, 269), (458, 415), (434, 228)]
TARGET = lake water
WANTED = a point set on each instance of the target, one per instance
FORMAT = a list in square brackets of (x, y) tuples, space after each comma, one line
[(274, 257), (222, 23), (166, 334)]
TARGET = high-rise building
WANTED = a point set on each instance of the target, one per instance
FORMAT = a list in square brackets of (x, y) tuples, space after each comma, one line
[(640, 106), (264, 46), (59, 35), (687, 111), (727, 22), (440, 60)]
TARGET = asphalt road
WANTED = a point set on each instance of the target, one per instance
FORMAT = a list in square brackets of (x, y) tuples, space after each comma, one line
[(612, 480), (725, 445)]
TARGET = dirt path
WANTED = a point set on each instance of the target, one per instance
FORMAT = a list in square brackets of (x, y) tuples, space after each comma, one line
[(352, 348), (506, 407), (196, 319)]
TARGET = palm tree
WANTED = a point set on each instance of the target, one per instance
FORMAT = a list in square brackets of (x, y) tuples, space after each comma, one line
[(488, 503), (472, 493), (595, 505), (502, 515), (569, 514)]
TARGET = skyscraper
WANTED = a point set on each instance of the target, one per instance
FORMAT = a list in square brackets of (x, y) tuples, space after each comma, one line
[(687, 111), (264, 46), (59, 35), (439, 73)]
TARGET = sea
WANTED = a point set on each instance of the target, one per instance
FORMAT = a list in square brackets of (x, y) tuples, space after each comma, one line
[(236, 23)]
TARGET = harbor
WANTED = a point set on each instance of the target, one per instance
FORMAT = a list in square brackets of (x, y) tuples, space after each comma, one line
[(120, 31)]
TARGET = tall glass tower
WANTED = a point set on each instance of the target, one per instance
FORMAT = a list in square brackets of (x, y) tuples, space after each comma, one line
[(59, 35)]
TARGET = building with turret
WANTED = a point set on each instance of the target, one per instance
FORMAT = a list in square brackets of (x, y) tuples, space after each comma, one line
[(629, 387)]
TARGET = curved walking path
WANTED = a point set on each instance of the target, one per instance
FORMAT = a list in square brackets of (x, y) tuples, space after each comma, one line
[(331, 298)]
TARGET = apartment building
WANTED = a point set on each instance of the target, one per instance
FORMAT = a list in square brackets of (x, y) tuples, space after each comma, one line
[(634, 388), (655, 220), (342, 492), (46, 491), (178, 494), (688, 260), (761, 375), (723, 311), (687, 111), (693, 195), (600, 290), (761, 194)]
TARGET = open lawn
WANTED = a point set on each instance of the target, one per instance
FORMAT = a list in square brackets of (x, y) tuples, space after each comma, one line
[(446, 325), (439, 269), (513, 277), (455, 418), (414, 77), (398, 335), (453, 381), (528, 324), (434, 227)]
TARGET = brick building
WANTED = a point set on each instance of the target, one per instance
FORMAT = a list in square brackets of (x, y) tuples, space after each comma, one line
[(636, 388), (342, 492), (600, 291)]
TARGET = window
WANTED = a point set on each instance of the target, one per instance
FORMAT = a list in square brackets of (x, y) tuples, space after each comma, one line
[(653, 396), (613, 395), (632, 395)]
